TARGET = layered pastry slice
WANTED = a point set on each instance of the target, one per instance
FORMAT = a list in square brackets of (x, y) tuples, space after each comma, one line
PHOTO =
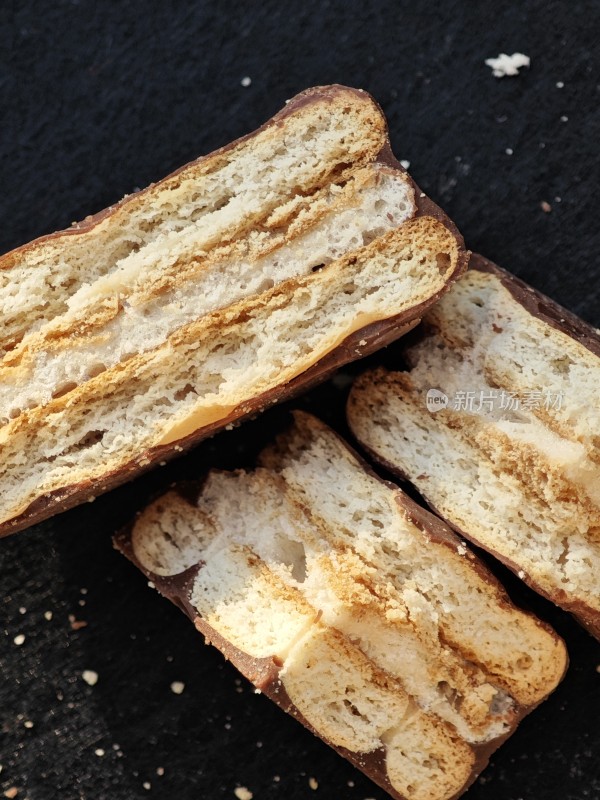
[(497, 424), (354, 609), (239, 279)]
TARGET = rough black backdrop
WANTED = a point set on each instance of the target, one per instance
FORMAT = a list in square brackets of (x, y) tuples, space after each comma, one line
[(98, 98)]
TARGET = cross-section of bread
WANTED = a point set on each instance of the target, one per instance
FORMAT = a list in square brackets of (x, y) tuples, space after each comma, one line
[(354, 609), (238, 280), (497, 424)]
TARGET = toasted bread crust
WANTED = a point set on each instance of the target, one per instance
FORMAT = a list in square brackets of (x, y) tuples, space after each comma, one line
[(362, 337), (558, 488)]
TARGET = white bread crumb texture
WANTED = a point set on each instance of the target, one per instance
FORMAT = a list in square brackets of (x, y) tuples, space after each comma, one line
[(189, 300), (523, 481), (387, 639)]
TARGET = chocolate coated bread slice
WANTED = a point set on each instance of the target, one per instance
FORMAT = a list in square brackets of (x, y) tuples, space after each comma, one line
[(511, 458), (354, 609), (236, 281)]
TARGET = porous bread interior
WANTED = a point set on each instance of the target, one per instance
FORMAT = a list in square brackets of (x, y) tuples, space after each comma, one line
[(72, 348), (312, 561), (222, 195), (207, 370), (444, 589), (523, 483), (259, 588)]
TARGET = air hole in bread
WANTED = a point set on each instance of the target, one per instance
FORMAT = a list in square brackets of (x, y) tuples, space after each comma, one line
[(443, 262), (64, 389)]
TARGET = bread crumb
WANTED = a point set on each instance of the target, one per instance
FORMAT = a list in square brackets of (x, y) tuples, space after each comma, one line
[(12, 792), (48, 615), (90, 677), (147, 785), (405, 163), (19, 639), (151, 584), (246, 81), (22, 610), (99, 752), (242, 793), (509, 151), (28, 724), (313, 783), (521, 574), (76, 624), (564, 118), (461, 549), (598, 668), (160, 771), (177, 687), (545, 206), (508, 65)]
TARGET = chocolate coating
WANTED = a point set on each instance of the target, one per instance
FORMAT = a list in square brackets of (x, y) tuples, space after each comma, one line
[(376, 335)]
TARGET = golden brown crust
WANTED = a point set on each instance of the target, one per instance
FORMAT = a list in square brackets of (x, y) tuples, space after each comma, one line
[(559, 318), (264, 672), (364, 341)]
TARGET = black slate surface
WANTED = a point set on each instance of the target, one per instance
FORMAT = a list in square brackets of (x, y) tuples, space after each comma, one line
[(98, 98)]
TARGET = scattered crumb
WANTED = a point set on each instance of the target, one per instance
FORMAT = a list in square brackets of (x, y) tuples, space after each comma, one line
[(48, 615), (160, 771), (559, 84), (99, 752), (507, 65), (276, 778), (242, 793), (76, 624), (177, 687), (257, 691), (598, 668), (151, 584), (246, 81), (362, 342), (351, 784), (259, 744), (564, 118), (90, 677), (81, 603), (405, 163), (22, 610), (545, 206), (461, 549), (12, 792), (521, 574), (313, 783), (83, 590), (147, 786), (28, 724), (19, 639), (509, 151), (116, 746)]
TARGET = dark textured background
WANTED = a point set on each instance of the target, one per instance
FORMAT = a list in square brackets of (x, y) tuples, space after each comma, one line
[(98, 98)]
